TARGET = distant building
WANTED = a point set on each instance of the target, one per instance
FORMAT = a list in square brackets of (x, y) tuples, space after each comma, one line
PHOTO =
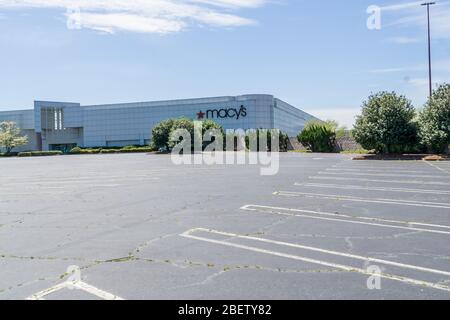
[(61, 125)]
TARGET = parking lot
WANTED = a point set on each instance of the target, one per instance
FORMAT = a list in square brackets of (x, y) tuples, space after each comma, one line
[(139, 227)]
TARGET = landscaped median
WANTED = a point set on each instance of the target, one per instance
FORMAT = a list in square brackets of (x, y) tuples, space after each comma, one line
[(39, 154), (127, 149), (77, 150), (410, 157)]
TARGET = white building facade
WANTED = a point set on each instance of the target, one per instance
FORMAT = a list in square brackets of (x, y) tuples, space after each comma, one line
[(62, 126)]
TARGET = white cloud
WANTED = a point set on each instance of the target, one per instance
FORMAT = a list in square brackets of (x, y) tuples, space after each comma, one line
[(387, 70), (424, 82), (440, 66), (111, 22), (414, 14), (233, 3), (403, 40), (417, 82), (145, 16), (402, 6), (345, 116)]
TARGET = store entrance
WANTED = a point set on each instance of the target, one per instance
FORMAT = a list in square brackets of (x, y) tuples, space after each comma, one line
[(65, 148)]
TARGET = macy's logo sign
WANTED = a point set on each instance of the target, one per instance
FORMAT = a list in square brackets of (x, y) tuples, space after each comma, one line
[(223, 113)]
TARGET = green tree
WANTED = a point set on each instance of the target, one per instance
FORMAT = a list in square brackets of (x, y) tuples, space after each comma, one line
[(161, 134), (283, 140), (212, 125), (386, 124), (318, 136), (10, 137), (341, 131), (182, 123), (434, 120)]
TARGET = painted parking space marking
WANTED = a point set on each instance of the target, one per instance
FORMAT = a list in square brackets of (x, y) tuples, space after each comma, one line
[(368, 200), (437, 167), (350, 187), (190, 234), (435, 183), (380, 170), (343, 218), (86, 181), (69, 285), (384, 175), (400, 166)]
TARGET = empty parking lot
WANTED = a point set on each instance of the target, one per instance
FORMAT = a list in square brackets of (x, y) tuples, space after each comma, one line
[(139, 227)]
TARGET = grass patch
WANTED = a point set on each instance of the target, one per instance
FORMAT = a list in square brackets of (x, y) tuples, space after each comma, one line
[(357, 151), (300, 151)]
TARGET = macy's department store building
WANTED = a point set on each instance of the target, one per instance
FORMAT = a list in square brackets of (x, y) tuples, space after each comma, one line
[(61, 125)]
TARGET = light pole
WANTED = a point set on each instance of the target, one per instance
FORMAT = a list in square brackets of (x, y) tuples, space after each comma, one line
[(428, 4)]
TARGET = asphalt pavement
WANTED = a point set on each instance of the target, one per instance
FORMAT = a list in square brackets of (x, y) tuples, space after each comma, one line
[(137, 226)]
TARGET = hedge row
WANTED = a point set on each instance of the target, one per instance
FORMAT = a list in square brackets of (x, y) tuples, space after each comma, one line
[(9, 155), (128, 149), (39, 153)]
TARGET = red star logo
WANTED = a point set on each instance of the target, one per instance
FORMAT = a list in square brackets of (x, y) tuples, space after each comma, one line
[(200, 115)]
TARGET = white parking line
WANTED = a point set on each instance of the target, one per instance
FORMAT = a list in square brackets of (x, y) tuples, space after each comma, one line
[(384, 175), (188, 234), (31, 193), (357, 199), (382, 180), (75, 285), (338, 186), (380, 170), (96, 181), (436, 167), (377, 222)]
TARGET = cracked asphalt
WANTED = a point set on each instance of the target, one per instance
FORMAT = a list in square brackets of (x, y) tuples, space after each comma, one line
[(140, 227)]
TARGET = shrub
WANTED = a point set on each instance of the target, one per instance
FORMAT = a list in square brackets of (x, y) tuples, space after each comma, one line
[(181, 123), (318, 136), (24, 154), (386, 124), (76, 150), (40, 153), (161, 134), (110, 150), (341, 131), (135, 150), (105, 151), (434, 121), (211, 125), (283, 140), (8, 155)]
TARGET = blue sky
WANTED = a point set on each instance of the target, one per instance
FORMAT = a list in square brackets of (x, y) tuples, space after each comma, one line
[(317, 55)]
